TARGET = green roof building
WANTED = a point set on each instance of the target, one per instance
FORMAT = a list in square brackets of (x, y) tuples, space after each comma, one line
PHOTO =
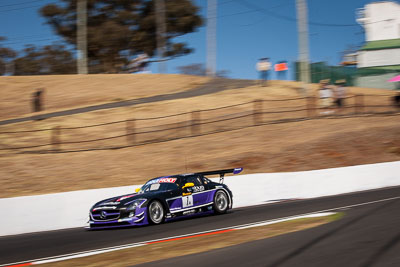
[(379, 59)]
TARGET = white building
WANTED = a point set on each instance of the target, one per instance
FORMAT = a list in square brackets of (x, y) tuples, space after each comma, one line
[(381, 20), (379, 59)]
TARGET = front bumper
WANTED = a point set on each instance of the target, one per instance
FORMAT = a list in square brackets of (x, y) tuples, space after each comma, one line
[(139, 219)]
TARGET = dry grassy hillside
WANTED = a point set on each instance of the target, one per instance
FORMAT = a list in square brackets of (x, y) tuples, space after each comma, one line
[(71, 91), (295, 146)]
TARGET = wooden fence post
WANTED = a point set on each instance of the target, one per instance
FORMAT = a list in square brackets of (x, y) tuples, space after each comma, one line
[(130, 131), (311, 105), (257, 111), (359, 104), (181, 129), (196, 119), (56, 138)]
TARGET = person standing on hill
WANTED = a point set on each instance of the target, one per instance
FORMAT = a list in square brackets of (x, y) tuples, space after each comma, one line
[(37, 100), (263, 66), (325, 96), (340, 93)]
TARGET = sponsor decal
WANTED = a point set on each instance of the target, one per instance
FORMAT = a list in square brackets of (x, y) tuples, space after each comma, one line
[(189, 212), (162, 180), (167, 180), (125, 197), (196, 189)]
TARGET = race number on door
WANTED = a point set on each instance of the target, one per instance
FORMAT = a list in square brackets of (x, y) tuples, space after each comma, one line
[(187, 201)]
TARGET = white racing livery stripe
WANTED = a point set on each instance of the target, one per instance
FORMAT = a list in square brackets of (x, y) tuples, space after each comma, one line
[(320, 213)]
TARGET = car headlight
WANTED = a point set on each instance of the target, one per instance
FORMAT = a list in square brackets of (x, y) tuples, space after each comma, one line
[(135, 204)]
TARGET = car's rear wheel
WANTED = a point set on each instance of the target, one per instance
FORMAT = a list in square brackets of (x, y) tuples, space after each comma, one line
[(221, 202), (156, 213)]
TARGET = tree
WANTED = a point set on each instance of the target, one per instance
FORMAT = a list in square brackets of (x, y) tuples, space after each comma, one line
[(119, 29), (6, 55), (193, 69), (50, 59), (200, 70)]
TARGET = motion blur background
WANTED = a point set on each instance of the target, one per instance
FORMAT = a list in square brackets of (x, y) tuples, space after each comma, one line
[(245, 31), (106, 94)]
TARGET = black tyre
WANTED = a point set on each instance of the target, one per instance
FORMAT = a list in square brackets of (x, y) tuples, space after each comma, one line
[(156, 212), (221, 202)]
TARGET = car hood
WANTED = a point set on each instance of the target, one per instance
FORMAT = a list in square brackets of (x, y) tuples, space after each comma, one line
[(121, 201)]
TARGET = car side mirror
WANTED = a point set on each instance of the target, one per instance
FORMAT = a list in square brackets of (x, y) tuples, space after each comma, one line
[(137, 190), (187, 189)]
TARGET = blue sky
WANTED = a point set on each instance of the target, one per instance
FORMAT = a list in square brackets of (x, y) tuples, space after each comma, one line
[(246, 31)]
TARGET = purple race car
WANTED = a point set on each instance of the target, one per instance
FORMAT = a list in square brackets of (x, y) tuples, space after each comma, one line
[(165, 198)]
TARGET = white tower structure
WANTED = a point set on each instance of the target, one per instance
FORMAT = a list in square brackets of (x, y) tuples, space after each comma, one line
[(379, 59), (381, 20)]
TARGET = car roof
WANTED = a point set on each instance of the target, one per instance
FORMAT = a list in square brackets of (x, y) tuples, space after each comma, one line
[(177, 176)]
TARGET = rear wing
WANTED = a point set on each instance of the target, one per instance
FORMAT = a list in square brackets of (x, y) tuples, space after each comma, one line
[(221, 173)]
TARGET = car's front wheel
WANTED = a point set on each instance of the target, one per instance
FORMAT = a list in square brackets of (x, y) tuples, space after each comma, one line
[(156, 213), (221, 202)]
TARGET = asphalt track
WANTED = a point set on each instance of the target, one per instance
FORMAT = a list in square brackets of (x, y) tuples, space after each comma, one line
[(211, 87), (369, 235)]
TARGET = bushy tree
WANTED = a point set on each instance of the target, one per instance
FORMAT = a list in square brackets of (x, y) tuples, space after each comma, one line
[(6, 55), (193, 69), (119, 29), (50, 59), (200, 70)]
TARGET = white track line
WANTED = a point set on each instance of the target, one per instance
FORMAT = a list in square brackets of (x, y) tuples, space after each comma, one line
[(320, 213)]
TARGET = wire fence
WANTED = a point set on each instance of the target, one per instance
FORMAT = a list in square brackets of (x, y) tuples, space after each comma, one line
[(140, 131), (371, 77)]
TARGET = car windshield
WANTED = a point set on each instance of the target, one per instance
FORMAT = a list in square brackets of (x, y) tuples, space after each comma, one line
[(160, 184)]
